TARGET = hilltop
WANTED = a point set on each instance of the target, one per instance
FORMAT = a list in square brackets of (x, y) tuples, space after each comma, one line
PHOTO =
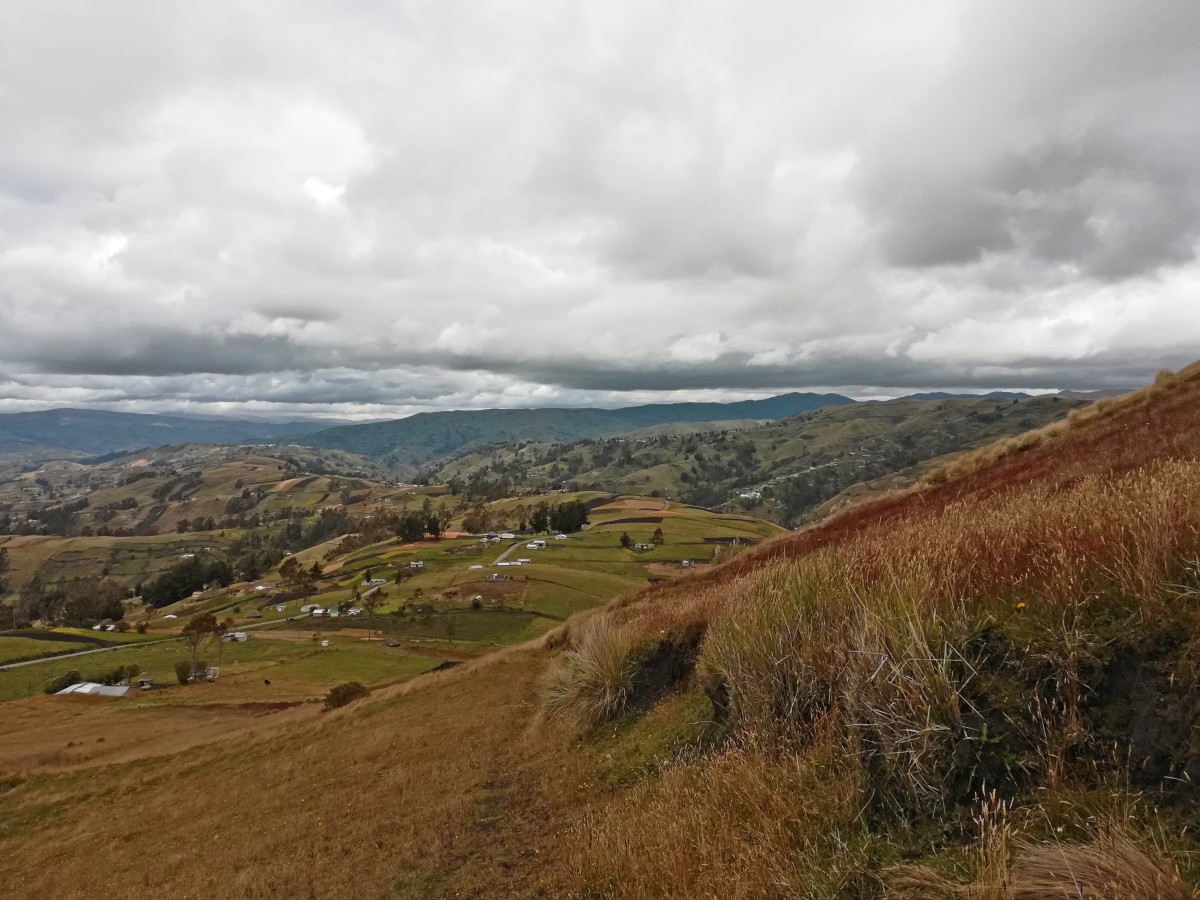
[(422, 438), (978, 687)]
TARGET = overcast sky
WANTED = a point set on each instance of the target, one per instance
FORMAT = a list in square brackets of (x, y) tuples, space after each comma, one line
[(374, 208)]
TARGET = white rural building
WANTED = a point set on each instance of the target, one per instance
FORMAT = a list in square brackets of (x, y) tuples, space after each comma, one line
[(96, 690)]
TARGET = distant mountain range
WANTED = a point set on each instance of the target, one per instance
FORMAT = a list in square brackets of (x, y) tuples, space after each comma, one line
[(418, 440), (945, 395), (102, 431), (1085, 396), (426, 437)]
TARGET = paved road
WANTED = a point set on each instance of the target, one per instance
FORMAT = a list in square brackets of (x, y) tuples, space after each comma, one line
[(109, 649)]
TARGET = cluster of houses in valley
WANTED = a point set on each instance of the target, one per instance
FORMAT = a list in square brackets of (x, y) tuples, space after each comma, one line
[(333, 612)]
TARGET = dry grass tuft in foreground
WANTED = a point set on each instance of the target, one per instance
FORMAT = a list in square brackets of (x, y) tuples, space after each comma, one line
[(750, 822), (594, 681), (1114, 866)]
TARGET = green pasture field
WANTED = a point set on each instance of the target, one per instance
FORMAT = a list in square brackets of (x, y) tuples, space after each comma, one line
[(296, 669), (13, 649)]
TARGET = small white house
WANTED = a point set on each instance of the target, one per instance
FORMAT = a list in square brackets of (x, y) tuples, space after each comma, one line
[(560, 537), (687, 563), (318, 611), (167, 616), (417, 564), (539, 544), (643, 546), (475, 567), (236, 637), (507, 536)]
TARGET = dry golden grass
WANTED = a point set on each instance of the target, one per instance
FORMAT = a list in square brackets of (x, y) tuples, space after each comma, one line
[(429, 788), (58, 734), (751, 822), (1114, 866)]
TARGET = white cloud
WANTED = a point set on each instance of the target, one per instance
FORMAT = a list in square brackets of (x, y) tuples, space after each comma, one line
[(371, 208)]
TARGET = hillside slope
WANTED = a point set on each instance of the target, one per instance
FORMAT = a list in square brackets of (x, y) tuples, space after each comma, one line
[(981, 688), (780, 470), (424, 437)]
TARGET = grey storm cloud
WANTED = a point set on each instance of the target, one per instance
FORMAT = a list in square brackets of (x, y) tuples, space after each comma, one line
[(1069, 137), (382, 207)]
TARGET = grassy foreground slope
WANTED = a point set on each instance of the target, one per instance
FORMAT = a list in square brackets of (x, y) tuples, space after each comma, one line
[(982, 688)]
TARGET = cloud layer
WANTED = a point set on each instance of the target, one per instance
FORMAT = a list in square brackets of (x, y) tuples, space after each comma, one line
[(374, 208)]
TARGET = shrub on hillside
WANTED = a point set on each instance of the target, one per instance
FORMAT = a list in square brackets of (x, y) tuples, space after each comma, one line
[(65, 680), (117, 675), (183, 671), (344, 694)]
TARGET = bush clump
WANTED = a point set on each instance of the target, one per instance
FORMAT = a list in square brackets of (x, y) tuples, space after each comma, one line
[(117, 675), (594, 682), (65, 680), (343, 694)]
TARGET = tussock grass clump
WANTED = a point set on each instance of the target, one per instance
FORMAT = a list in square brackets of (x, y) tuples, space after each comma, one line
[(593, 682), (809, 644)]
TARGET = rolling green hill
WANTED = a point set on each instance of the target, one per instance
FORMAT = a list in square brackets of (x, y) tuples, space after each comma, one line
[(425, 437), (781, 470)]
